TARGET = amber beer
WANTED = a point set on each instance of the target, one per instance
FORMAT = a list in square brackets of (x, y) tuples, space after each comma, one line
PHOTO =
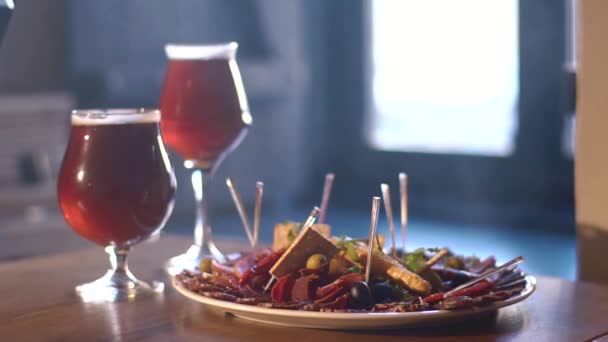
[(204, 107), (116, 186)]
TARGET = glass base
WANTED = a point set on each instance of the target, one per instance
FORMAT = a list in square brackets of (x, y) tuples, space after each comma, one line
[(192, 259), (116, 287)]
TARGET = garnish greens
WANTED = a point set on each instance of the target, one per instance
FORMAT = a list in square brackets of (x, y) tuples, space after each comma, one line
[(354, 269), (293, 231), (414, 260), (400, 292), (350, 248), (291, 235)]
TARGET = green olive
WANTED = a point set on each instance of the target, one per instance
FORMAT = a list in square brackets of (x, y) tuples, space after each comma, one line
[(316, 261), (336, 266), (205, 265), (454, 262)]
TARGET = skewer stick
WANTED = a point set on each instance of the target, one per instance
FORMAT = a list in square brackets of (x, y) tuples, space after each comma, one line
[(269, 283), (238, 202), (259, 192), (372, 236), (386, 197), (309, 222), (486, 275), (311, 218), (432, 261), (403, 202), (329, 181)]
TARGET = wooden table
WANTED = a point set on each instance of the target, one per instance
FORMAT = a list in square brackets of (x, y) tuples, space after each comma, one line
[(38, 303)]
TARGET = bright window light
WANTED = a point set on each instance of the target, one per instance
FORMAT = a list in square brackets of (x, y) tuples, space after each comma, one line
[(444, 76)]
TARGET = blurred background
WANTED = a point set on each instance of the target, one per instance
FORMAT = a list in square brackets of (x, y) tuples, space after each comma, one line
[(472, 99)]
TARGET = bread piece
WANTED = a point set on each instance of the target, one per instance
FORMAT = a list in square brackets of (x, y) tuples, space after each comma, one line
[(286, 232), (307, 243)]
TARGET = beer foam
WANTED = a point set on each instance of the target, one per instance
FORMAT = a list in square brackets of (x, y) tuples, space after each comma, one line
[(202, 52), (114, 116)]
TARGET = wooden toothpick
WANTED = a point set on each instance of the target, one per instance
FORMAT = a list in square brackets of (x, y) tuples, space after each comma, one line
[(238, 202), (329, 181), (372, 236), (257, 213), (386, 197), (403, 203)]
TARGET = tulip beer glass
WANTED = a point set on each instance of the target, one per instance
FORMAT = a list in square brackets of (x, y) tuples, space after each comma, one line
[(116, 188), (205, 116)]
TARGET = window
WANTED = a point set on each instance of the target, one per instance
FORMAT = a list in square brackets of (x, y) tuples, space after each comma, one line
[(445, 76), (466, 97)]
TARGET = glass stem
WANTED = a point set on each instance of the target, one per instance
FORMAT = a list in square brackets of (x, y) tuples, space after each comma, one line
[(118, 260), (202, 229), (120, 274)]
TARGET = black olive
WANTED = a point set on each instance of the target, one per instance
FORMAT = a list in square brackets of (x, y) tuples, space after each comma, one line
[(382, 292), (459, 279), (360, 296)]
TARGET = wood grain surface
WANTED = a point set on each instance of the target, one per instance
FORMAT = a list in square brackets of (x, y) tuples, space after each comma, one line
[(38, 304)]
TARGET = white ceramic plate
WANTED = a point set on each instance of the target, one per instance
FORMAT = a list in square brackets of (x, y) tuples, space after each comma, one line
[(350, 321)]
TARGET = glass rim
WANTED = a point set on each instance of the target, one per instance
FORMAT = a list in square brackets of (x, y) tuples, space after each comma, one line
[(225, 50), (95, 116)]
